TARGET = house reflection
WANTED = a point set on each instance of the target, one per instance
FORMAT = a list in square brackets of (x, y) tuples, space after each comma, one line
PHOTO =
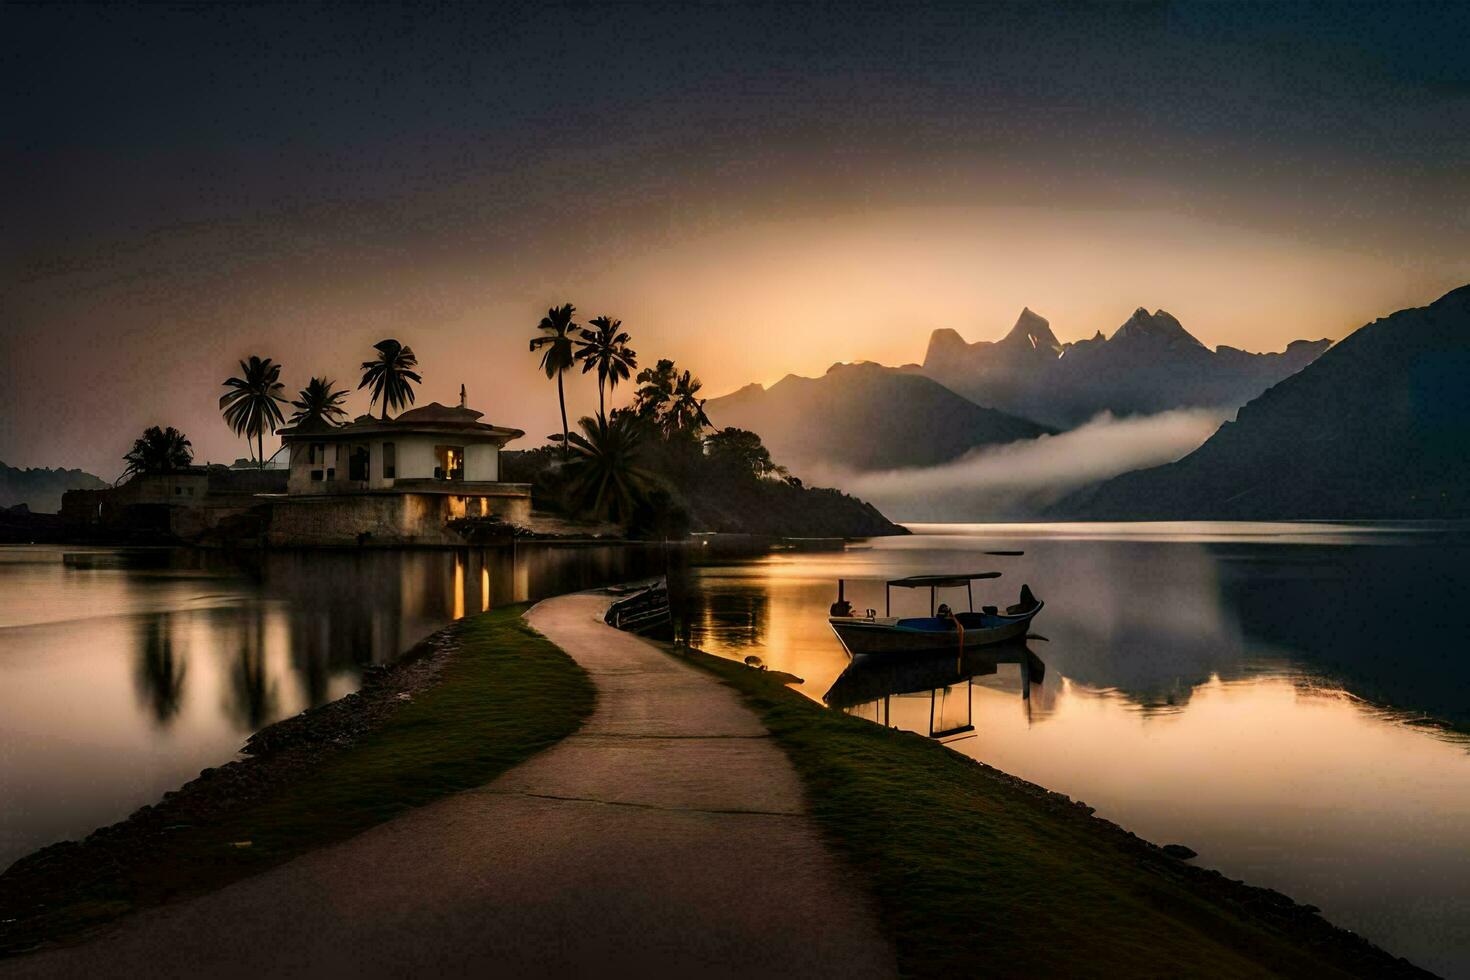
[(868, 686)]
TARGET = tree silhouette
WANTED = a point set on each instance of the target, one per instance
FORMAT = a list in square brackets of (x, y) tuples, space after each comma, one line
[(606, 349), (159, 451), (605, 475), (320, 399), (655, 389), (741, 451), (685, 414), (251, 405), (391, 375), (555, 342)]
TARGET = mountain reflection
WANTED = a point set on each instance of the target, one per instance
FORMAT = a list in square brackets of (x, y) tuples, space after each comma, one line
[(1382, 621), (159, 670)]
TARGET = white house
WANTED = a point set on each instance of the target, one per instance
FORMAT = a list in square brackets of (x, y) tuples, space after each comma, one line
[(395, 481)]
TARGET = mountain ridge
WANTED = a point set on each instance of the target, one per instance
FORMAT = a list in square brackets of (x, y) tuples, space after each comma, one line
[(1150, 364), (1376, 427), (40, 488), (866, 416)]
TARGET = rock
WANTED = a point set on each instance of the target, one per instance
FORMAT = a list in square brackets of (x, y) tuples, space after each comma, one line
[(1179, 851)]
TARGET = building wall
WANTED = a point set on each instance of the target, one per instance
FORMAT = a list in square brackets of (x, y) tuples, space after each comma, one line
[(397, 519), (415, 459), (385, 520), (482, 462)]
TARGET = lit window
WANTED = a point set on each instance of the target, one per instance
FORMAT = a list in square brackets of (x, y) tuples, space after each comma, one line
[(449, 462)]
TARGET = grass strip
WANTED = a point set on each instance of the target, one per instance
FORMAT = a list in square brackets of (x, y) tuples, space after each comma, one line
[(504, 694), (978, 873)]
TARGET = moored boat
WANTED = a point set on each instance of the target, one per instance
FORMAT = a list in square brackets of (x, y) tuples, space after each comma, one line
[(942, 631)]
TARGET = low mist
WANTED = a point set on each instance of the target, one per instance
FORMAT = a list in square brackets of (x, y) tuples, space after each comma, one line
[(1020, 479)]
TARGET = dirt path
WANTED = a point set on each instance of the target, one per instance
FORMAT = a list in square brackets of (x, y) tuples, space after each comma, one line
[(668, 836)]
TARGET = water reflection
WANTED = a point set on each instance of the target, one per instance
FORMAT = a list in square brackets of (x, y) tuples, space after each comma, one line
[(1292, 701), (125, 672), (868, 686), (252, 699), (160, 669)]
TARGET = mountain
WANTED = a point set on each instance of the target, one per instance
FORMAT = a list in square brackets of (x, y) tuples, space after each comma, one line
[(1150, 364), (1377, 427), (41, 489), (865, 417)]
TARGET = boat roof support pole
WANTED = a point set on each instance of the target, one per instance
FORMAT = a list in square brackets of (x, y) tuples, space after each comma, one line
[(970, 593)]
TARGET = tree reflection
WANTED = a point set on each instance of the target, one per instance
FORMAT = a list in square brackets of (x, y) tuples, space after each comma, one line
[(159, 671), (252, 696)]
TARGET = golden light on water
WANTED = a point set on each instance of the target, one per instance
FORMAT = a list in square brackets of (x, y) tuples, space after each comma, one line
[(458, 587)]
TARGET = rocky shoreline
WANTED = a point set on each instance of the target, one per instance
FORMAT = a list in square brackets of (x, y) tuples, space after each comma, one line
[(276, 757)]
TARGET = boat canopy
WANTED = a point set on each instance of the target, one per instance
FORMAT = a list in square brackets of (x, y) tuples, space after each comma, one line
[(939, 581), (954, 580)]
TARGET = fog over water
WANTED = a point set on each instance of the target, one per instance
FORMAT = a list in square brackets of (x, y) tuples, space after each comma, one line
[(1019, 479)]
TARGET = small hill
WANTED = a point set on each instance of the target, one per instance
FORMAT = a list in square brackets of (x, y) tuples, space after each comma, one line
[(1377, 427), (1150, 364), (866, 417), (41, 489)]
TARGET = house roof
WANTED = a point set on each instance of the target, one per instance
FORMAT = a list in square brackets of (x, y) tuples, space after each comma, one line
[(432, 418)]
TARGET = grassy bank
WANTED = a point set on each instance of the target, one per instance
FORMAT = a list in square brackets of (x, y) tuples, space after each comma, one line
[(503, 693), (981, 874)]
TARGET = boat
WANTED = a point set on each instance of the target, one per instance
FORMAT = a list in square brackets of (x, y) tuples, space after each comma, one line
[(642, 608), (942, 631)]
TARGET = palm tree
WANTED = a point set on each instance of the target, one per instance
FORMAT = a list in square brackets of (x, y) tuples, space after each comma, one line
[(605, 473), (390, 375), (656, 388), (250, 405), (159, 451), (320, 399), (685, 413), (557, 329), (607, 350)]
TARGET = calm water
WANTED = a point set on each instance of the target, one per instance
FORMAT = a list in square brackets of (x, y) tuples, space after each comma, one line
[(123, 673), (1289, 700)]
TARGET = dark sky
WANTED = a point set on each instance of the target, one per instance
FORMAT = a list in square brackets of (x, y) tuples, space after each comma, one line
[(754, 189)]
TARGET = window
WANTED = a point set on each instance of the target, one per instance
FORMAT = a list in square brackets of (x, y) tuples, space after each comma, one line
[(450, 462), (390, 461), (316, 455), (358, 461), (178, 491)]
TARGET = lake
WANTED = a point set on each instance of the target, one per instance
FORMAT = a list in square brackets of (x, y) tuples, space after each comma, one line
[(1288, 700), (125, 672), (1291, 701)]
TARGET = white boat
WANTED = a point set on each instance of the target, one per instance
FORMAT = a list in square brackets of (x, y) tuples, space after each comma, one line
[(942, 631)]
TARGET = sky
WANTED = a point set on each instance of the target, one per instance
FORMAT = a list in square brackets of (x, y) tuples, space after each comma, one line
[(755, 190)]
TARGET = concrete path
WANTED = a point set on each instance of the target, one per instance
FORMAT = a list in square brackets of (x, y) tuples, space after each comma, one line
[(667, 837)]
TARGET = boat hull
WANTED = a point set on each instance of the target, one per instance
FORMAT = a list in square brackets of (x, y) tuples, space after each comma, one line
[(888, 638)]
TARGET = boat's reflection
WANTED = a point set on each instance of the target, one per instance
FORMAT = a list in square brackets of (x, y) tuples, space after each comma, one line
[(868, 685)]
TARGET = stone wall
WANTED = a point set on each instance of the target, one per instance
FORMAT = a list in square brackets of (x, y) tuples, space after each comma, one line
[(383, 519)]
